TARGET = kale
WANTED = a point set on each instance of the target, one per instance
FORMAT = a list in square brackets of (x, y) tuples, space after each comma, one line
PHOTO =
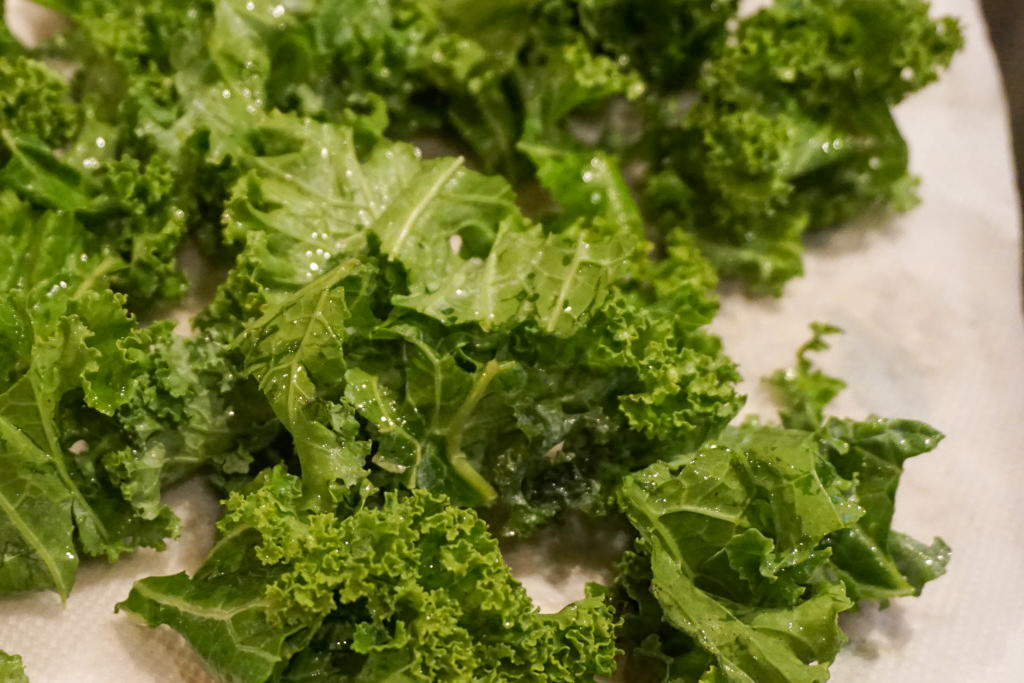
[(405, 585), (748, 548), (11, 668), (413, 355), (793, 130)]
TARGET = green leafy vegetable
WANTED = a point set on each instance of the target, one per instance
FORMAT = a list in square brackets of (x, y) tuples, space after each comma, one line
[(732, 533), (750, 546), (409, 356), (11, 668), (803, 393), (793, 130), (666, 40), (35, 102), (97, 414), (407, 586), (415, 297), (54, 493)]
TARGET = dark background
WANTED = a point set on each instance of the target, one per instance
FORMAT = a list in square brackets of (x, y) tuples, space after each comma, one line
[(1006, 24)]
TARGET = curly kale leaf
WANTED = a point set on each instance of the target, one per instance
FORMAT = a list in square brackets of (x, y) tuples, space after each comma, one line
[(11, 668), (406, 584), (295, 346), (73, 354), (466, 252), (35, 101), (97, 414), (666, 41), (56, 499), (432, 428), (819, 52), (750, 546), (536, 421), (804, 392), (128, 208), (641, 376), (793, 130), (59, 152), (415, 295), (97, 417), (733, 533), (875, 562), (127, 51)]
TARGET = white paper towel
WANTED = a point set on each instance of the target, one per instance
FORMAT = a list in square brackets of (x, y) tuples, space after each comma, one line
[(931, 305)]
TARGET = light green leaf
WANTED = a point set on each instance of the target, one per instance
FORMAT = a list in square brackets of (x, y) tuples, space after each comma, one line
[(295, 345), (11, 669)]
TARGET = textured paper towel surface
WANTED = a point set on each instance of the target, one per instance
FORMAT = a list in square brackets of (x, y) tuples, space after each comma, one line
[(931, 306)]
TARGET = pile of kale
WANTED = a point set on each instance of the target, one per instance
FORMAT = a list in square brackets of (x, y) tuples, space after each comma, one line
[(409, 358)]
